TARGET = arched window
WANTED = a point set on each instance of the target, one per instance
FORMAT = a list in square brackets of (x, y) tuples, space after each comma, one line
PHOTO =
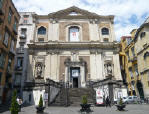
[(74, 33), (146, 55), (42, 30), (105, 31)]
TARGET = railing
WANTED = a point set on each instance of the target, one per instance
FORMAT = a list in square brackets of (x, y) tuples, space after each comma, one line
[(23, 36), (20, 50)]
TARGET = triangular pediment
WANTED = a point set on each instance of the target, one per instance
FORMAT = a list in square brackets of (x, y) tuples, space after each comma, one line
[(73, 12)]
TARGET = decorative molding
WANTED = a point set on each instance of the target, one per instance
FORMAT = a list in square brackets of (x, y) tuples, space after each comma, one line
[(53, 52), (93, 51), (31, 52), (69, 63)]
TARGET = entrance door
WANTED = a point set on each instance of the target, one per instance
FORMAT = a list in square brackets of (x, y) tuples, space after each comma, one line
[(75, 76)]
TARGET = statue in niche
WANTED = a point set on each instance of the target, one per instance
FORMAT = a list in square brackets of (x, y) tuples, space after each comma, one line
[(39, 70), (105, 68), (109, 69)]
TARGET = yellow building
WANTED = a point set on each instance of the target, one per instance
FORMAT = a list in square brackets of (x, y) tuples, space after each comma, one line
[(129, 66), (142, 50)]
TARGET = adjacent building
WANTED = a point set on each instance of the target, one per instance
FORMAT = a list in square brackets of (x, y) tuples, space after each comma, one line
[(142, 50), (129, 65), (25, 34), (9, 18), (73, 46)]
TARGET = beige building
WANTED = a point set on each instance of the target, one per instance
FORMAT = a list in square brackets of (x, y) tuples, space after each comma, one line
[(74, 46), (142, 50)]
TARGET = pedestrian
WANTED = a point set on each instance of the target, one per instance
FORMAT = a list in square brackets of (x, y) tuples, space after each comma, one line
[(19, 100), (108, 103)]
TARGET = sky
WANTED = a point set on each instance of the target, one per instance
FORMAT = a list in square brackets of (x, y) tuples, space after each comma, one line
[(129, 14)]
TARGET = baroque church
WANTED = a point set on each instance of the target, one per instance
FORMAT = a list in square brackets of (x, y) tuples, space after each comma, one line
[(76, 47)]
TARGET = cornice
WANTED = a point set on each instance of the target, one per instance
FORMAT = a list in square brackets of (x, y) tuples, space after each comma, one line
[(74, 45)]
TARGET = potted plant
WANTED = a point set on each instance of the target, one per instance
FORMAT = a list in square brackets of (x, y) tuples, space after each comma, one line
[(85, 107), (14, 109), (120, 106), (40, 108)]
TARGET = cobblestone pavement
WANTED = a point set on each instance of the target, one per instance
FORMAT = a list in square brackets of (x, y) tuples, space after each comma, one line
[(130, 109)]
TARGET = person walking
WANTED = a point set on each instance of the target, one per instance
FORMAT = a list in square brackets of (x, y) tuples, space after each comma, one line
[(19, 100), (108, 103)]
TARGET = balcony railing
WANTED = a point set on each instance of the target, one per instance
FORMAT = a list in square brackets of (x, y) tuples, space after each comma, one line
[(18, 68), (23, 36), (20, 50), (133, 59)]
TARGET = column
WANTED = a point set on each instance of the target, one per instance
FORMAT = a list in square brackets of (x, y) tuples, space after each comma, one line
[(83, 83)]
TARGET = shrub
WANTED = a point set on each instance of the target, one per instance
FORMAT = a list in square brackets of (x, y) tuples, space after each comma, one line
[(121, 101), (84, 99), (14, 109), (40, 102)]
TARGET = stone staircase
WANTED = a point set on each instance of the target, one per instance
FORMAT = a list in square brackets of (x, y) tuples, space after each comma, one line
[(74, 96)]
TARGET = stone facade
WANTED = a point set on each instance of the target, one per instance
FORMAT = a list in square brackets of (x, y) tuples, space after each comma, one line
[(74, 46)]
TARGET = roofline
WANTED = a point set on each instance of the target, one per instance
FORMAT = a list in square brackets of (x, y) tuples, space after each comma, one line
[(51, 15), (15, 8), (139, 29)]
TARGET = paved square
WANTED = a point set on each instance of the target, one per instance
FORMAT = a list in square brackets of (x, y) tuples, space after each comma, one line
[(130, 109)]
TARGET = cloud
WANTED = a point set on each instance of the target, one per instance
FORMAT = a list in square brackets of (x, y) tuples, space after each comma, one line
[(129, 14)]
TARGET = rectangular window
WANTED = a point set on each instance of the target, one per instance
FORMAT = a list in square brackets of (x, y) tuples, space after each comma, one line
[(6, 38), (74, 34), (12, 46), (25, 19), (15, 25), (9, 65), (1, 4), (133, 52), (20, 62), (142, 34), (23, 32), (9, 15), (2, 60), (136, 69), (130, 73)]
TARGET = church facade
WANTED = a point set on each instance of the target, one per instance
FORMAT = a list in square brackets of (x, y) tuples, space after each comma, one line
[(73, 46)]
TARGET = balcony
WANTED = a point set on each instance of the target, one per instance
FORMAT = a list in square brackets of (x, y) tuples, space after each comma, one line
[(133, 59), (20, 51), (22, 40), (18, 68), (23, 36)]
